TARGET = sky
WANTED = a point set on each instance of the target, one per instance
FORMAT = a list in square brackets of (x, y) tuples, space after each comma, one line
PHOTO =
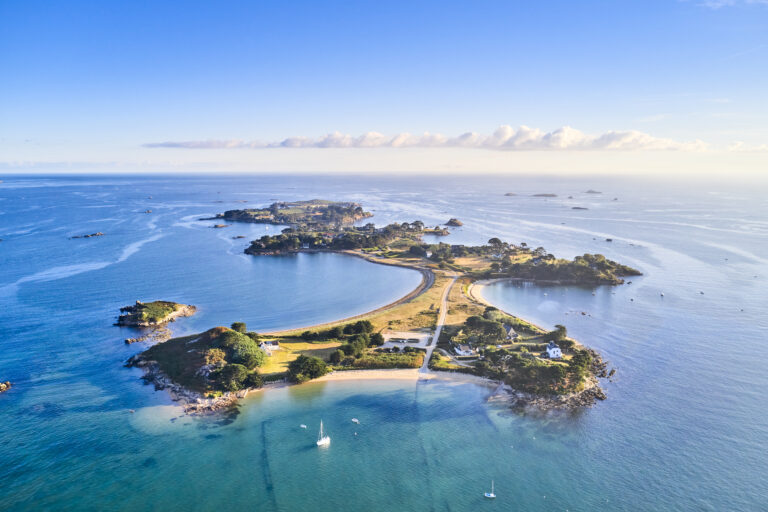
[(653, 86)]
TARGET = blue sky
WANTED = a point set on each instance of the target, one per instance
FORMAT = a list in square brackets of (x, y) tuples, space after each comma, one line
[(92, 84)]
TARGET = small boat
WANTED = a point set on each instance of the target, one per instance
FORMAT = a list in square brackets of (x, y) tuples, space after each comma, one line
[(355, 420), (303, 426), (322, 438), (490, 495)]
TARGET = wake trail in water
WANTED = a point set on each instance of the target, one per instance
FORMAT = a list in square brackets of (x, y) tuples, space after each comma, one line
[(65, 271)]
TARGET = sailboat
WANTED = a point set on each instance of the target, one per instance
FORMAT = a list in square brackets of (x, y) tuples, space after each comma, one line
[(491, 494), (322, 438)]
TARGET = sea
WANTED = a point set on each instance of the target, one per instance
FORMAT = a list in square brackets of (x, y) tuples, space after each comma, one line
[(684, 426)]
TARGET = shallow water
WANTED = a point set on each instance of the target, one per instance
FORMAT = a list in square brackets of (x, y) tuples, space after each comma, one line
[(683, 428)]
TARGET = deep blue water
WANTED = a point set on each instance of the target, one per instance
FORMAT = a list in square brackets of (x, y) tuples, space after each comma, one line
[(684, 427)]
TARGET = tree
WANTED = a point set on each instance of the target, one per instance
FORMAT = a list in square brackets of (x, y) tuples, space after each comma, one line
[(239, 327), (417, 250), (305, 368), (252, 359), (232, 377), (558, 335), (364, 326), (377, 339), (337, 332), (336, 357), (254, 380)]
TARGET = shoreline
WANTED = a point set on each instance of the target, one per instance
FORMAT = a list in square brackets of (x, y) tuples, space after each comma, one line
[(196, 403), (427, 280)]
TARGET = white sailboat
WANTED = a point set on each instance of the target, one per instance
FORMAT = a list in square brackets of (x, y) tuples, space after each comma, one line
[(491, 494), (322, 438)]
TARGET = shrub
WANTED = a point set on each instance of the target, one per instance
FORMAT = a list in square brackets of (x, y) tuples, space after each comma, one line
[(239, 327), (305, 368), (215, 356)]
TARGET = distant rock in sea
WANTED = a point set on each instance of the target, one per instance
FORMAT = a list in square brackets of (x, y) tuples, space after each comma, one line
[(87, 236), (219, 226), (454, 222), (5, 386), (579, 208), (544, 195), (590, 191), (510, 194)]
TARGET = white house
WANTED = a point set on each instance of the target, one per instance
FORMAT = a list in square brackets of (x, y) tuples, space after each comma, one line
[(464, 350), (553, 351), (269, 346)]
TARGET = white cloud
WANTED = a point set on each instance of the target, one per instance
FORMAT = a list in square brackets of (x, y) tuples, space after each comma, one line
[(505, 138), (742, 147)]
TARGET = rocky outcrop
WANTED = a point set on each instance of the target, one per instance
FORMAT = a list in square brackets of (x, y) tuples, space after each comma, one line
[(158, 335), (544, 195), (5, 386), (454, 222), (219, 226), (535, 403), (192, 401), (88, 236)]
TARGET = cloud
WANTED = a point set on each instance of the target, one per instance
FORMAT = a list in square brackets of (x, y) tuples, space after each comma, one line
[(742, 147), (505, 138)]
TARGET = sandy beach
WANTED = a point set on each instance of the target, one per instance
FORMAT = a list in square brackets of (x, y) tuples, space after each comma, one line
[(403, 374), (475, 290)]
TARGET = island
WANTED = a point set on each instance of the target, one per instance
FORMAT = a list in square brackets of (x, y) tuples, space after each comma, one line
[(590, 191), (314, 213), (444, 326), (153, 314), (544, 195)]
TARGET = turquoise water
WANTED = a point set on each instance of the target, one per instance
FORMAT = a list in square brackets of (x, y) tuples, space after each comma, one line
[(684, 426)]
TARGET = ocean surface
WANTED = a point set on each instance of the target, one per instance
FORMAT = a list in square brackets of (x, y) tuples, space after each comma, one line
[(684, 427)]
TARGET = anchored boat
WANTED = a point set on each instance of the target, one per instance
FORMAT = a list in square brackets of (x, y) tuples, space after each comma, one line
[(322, 438), (490, 495)]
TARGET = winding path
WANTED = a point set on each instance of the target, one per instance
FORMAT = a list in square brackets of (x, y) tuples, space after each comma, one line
[(439, 327)]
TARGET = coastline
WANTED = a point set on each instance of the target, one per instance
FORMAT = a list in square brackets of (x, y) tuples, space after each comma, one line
[(427, 280), (196, 403)]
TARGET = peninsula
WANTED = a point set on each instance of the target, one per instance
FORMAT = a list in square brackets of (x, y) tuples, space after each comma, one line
[(444, 325)]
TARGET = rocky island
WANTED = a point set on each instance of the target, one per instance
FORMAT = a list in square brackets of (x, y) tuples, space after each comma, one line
[(153, 314), (314, 213), (212, 369), (454, 222)]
